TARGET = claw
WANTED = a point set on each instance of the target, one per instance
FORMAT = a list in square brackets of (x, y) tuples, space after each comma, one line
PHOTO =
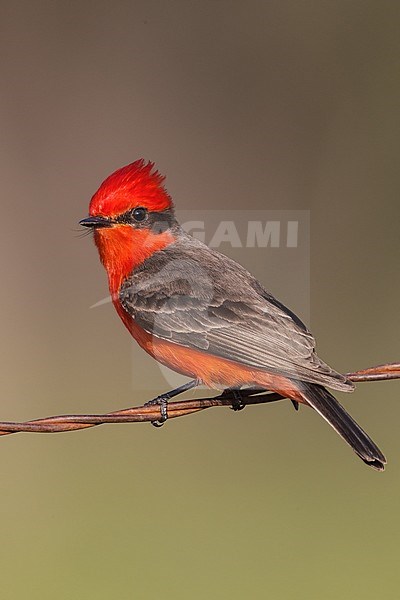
[(162, 401), (237, 401)]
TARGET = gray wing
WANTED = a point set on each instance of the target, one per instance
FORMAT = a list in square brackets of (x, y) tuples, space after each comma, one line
[(196, 297)]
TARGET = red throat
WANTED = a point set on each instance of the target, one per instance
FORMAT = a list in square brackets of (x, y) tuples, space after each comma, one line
[(124, 248)]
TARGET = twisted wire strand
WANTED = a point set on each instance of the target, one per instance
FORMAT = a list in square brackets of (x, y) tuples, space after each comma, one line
[(148, 413)]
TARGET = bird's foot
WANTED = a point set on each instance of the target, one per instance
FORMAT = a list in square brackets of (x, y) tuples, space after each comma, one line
[(238, 402), (162, 402)]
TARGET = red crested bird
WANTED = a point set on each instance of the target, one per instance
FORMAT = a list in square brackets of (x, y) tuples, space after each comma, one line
[(202, 314)]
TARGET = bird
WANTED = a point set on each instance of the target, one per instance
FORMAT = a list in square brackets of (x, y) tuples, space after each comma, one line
[(200, 313)]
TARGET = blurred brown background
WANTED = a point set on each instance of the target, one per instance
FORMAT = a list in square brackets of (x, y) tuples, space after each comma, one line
[(257, 105)]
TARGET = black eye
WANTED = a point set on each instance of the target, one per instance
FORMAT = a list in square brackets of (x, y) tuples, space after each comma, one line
[(139, 214)]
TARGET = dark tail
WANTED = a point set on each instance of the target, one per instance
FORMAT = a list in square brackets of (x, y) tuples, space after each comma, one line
[(333, 412)]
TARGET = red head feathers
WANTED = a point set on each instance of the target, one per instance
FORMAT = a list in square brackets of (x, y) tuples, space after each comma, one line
[(123, 245), (135, 185)]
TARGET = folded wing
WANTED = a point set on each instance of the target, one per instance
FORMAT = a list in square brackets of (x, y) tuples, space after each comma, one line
[(196, 297)]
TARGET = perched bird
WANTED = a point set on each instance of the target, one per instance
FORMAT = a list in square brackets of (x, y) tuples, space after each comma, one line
[(202, 314)]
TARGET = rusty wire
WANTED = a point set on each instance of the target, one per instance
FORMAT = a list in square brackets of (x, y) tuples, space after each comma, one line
[(149, 413)]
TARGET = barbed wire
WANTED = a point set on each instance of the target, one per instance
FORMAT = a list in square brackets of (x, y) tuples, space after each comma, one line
[(152, 412)]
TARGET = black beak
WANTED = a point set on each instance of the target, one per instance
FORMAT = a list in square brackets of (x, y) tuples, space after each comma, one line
[(95, 222)]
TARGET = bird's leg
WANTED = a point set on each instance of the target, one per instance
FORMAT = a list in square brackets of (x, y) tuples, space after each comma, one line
[(238, 396), (162, 400)]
